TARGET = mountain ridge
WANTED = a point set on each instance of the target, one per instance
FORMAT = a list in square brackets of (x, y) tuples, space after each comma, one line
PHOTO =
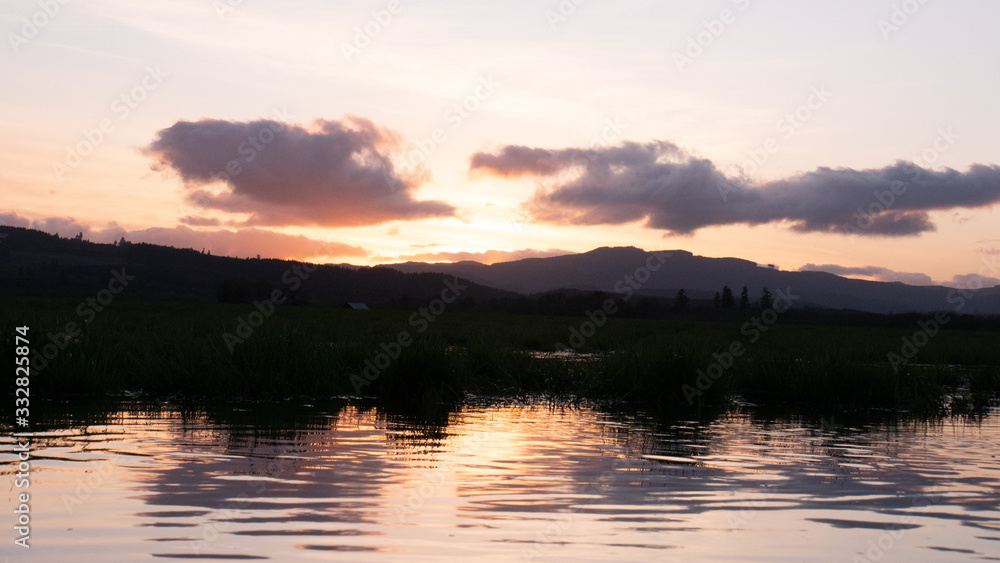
[(701, 277), (34, 262)]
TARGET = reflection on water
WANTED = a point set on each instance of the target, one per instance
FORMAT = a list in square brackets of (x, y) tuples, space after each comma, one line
[(507, 483)]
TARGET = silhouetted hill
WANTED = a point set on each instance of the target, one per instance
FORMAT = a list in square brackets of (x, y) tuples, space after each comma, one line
[(603, 268), (37, 263)]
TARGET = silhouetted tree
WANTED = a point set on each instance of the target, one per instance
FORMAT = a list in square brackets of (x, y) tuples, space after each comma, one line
[(745, 298), (727, 298), (766, 301), (717, 300), (680, 301)]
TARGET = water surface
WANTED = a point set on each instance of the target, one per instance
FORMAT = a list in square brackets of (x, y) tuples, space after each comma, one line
[(505, 482)]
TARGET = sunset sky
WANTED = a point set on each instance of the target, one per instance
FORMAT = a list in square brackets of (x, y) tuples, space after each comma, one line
[(385, 131)]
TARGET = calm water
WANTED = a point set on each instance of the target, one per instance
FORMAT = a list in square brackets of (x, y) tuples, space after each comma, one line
[(504, 483)]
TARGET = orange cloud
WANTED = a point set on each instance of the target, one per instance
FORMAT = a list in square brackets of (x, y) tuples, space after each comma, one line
[(241, 242), (486, 257), (338, 174)]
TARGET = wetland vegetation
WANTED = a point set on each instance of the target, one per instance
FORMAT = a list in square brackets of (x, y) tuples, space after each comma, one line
[(203, 349)]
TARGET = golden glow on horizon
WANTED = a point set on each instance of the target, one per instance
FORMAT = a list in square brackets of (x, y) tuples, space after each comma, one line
[(555, 88)]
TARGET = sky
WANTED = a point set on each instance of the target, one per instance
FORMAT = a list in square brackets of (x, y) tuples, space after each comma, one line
[(858, 137)]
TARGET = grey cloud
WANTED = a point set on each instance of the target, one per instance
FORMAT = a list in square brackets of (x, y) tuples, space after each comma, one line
[(670, 190), (972, 281), (877, 272), (198, 221), (13, 219), (965, 281)]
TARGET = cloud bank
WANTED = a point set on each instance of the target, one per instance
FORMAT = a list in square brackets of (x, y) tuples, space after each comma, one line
[(880, 273), (239, 243), (661, 184), (486, 257), (877, 273), (336, 174)]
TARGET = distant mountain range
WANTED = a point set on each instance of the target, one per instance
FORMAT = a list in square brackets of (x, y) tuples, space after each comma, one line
[(604, 268), (34, 262)]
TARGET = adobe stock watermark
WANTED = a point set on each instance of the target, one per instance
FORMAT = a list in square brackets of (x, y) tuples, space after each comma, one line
[(87, 310), (367, 32), (85, 487), (612, 131), (421, 320), (899, 17), (626, 288), (122, 107), (739, 520), (879, 547), (886, 199), (752, 330), (437, 478), (454, 117), (927, 329), (33, 25), (714, 28), (518, 220), (254, 144), (547, 538), (292, 278), (563, 11), (212, 530), (224, 7), (788, 125)]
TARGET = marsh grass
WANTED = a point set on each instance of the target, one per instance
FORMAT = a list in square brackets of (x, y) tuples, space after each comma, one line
[(654, 373), (164, 348)]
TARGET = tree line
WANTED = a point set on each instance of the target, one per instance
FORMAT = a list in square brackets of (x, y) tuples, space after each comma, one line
[(726, 299)]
